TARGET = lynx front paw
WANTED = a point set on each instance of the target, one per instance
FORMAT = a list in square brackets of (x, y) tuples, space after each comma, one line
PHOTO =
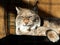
[(52, 36)]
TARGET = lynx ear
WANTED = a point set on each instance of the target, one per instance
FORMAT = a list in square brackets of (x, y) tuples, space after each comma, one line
[(18, 9)]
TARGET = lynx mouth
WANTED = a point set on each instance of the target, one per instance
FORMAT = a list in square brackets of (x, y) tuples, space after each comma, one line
[(27, 25)]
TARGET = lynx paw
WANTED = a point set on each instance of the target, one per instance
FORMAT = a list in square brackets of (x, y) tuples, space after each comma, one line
[(52, 36)]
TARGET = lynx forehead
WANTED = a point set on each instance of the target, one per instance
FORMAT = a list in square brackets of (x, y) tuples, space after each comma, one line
[(26, 12)]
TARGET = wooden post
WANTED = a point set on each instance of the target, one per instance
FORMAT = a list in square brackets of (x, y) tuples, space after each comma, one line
[(12, 23), (2, 25)]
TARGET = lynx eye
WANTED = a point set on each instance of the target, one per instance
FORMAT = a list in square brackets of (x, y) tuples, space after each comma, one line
[(22, 17), (29, 16)]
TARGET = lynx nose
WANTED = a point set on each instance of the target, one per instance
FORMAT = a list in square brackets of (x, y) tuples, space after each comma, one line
[(26, 21)]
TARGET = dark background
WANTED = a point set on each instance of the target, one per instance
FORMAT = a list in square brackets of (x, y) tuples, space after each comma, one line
[(23, 39)]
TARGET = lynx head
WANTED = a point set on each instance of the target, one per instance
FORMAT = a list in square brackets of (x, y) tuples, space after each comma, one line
[(27, 17)]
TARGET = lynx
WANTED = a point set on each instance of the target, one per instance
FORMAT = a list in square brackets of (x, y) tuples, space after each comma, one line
[(28, 23)]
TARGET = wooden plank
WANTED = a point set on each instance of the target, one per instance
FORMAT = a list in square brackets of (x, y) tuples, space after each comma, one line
[(2, 26), (56, 11), (12, 23), (56, 1)]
